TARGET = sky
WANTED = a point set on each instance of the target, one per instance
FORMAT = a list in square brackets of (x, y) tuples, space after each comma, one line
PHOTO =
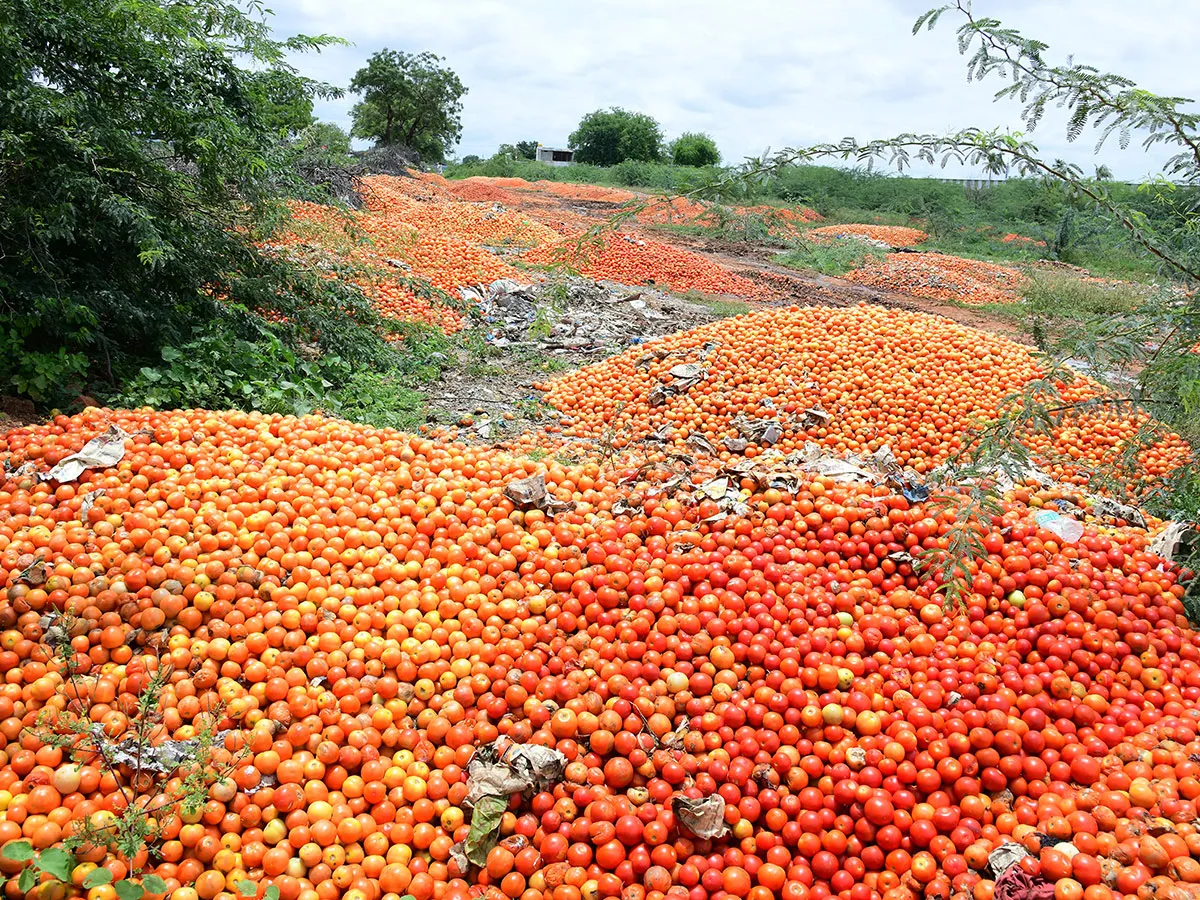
[(753, 74)]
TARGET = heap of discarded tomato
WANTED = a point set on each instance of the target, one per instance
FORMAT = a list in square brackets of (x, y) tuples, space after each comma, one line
[(367, 608), (888, 235), (851, 379), (633, 259), (938, 276)]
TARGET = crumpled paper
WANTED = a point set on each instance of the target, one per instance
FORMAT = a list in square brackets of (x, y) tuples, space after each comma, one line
[(704, 818), (99, 453), (497, 772)]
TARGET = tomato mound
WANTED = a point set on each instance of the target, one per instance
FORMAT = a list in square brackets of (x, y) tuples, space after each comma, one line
[(632, 259), (359, 609), (852, 380), (936, 276), (891, 235)]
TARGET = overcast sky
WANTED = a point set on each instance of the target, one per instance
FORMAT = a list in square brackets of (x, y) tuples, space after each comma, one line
[(754, 74)]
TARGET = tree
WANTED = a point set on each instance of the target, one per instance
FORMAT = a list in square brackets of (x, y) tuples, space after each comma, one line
[(472, 159), (610, 136), (284, 101), (138, 169), (694, 149), (408, 99), (519, 150)]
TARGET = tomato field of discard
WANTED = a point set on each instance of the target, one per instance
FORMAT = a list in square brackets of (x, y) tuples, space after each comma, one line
[(708, 637)]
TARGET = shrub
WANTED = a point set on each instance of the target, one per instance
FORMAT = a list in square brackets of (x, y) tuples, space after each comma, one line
[(695, 149)]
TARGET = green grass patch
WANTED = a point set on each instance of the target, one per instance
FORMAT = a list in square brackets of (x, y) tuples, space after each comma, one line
[(836, 257)]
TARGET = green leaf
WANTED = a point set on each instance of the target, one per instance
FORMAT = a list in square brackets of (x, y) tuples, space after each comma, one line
[(129, 890), (247, 888), (97, 877), (28, 878), (271, 893), (154, 885), (56, 861), (485, 827), (18, 851)]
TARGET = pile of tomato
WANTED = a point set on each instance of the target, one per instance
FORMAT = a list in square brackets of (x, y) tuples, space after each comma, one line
[(632, 259), (890, 235), (937, 276), (852, 380), (362, 609)]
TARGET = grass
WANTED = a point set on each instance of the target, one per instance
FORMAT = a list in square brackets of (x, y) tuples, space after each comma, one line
[(724, 307), (1062, 300), (836, 257)]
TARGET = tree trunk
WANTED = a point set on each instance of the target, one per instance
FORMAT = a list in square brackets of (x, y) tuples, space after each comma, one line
[(387, 132), (412, 132)]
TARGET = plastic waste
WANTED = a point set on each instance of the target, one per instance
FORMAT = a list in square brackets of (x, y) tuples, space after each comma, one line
[(1069, 530)]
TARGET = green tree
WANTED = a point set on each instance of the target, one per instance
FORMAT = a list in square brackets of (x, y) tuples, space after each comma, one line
[(694, 149), (138, 170), (408, 99), (610, 136), (519, 150), (327, 140), (284, 101)]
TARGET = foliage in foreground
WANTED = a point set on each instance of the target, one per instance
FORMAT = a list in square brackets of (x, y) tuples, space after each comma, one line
[(140, 163)]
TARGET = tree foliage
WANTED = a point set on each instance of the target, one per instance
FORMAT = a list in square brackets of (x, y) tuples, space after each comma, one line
[(409, 99), (284, 101), (519, 150), (138, 165), (695, 149), (610, 136)]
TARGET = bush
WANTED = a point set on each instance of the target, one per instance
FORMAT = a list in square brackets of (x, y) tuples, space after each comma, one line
[(695, 149)]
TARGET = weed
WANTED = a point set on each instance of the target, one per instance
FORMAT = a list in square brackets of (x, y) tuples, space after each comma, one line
[(719, 306), (836, 257)]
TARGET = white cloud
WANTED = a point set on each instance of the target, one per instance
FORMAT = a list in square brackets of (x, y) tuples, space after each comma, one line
[(754, 74)]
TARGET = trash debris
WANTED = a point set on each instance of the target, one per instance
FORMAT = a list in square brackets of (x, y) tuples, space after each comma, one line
[(530, 493), (704, 818), (814, 416), (701, 443), (87, 502), (99, 453), (764, 432), (496, 772), (1106, 507), (686, 370), (1168, 541), (1069, 530), (1004, 857), (163, 758), (33, 574)]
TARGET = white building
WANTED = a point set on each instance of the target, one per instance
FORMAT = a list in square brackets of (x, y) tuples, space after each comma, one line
[(554, 156)]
